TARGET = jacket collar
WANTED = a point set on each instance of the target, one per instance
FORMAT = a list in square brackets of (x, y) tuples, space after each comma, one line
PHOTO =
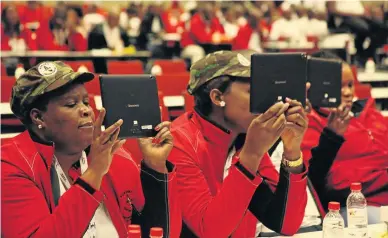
[(212, 131), (29, 147)]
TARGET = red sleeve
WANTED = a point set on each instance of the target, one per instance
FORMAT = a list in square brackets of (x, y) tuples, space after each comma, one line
[(205, 214), (311, 138), (78, 42), (198, 32), (46, 41), (30, 39), (285, 210), (241, 41), (25, 212)]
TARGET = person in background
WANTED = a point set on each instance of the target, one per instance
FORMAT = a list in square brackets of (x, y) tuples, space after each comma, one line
[(230, 23), (92, 17), (109, 34), (317, 24), (226, 180), (76, 33), (14, 36), (130, 21), (353, 16), (204, 28), (285, 28), (152, 29), (53, 36), (34, 14), (346, 149), (64, 177), (249, 36)]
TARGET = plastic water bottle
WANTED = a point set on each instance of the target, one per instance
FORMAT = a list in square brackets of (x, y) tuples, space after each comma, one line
[(156, 232), (333, 224), (370, 66), (357, 212), (19, 71)]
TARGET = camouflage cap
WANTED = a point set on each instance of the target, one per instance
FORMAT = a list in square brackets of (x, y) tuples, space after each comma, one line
[(220, 63), (40, 79)]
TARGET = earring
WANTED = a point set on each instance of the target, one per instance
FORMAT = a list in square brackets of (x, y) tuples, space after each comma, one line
[(40, 126), (222, 104)]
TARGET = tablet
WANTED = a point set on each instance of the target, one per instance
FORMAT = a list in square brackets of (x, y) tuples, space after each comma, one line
[(325, 76), (133, 98), (275, 76)]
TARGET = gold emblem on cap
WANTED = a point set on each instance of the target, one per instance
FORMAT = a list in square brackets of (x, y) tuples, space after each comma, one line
[(47, 69)]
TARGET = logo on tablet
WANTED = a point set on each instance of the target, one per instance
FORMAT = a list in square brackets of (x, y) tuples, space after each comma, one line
[(133, 105)]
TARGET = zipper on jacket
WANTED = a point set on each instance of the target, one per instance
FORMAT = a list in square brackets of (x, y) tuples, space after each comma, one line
[(167, 207)]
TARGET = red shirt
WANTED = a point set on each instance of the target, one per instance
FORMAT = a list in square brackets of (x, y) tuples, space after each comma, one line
[(363, 156), (25, 35), (27, 202), (46, 40), (77, 41), (217, 207), (241, 41), (200, 32)]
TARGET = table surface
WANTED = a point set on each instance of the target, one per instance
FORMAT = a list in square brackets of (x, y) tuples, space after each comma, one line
[(75, 54), (374, 231), (379, 93), (378, 76)]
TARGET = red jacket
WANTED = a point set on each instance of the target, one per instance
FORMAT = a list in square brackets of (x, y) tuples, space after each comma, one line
[(363, 157), (77, 42), (28, 206), (214, 207), (199, 32), (46, 40), (241, 41), (26, 35)]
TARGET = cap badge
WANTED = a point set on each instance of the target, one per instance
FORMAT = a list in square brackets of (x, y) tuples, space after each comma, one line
[(47, 69)]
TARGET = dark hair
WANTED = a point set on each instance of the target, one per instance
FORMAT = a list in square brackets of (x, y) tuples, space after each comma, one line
[(42, 101), (4, 20), (327, 55), (77, 10), (202, 100)]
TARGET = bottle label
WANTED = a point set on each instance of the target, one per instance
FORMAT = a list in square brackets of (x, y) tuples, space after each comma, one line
[(357, 216)]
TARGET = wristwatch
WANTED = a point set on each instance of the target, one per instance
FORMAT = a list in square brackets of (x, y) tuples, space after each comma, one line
[(292, 163)]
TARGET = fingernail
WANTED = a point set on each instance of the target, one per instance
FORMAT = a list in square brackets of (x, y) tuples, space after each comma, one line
[(288, 99), (154, 140), (157, 128)]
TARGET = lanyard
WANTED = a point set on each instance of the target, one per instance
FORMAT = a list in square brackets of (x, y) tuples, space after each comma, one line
[(91, 232)]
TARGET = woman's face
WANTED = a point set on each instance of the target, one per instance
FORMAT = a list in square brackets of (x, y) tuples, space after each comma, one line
[(69, 119), (12, 16), (347, 90), (236, 110), (71, 18)]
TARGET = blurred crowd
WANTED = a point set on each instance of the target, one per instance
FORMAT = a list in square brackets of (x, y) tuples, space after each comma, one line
[(189, 28)]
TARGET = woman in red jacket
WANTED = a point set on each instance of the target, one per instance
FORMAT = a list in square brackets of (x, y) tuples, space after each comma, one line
[(346, 149), (13, 35), (64, 177), (76, 33), (226, 180)]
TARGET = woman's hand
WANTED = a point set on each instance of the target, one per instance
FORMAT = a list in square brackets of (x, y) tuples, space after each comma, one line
[(156, 150), (296, 126)]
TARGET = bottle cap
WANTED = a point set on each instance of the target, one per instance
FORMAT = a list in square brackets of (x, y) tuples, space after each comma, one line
[(134, 234), (156, 231), (355, 187), (133, 228), (334, 206)]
